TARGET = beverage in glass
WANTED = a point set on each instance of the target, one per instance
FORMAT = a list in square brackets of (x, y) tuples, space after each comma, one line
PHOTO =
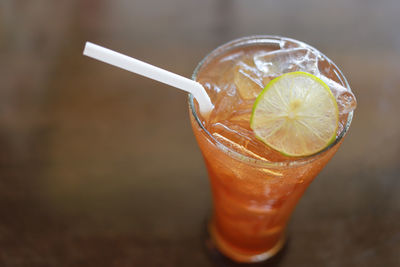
[(255, 188)]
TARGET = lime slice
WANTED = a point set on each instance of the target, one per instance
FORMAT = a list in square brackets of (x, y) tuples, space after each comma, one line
[(296, 114)]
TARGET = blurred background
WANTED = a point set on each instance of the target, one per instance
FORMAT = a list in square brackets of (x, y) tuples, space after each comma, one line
[(99, 167)]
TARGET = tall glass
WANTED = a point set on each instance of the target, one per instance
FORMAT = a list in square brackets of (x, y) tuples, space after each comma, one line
[(254, 198)]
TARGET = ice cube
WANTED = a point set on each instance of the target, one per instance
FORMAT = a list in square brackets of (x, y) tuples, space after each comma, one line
[(277, 62), (242, 135), (242, 113), (345, 99), (235, 137), (241, 139), (346, 102), (224, 105), (248, 80)]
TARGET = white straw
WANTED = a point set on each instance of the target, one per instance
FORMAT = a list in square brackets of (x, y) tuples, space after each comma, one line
[(152, 72)]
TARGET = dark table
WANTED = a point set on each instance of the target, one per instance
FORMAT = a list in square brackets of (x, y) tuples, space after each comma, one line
[(99, 167)]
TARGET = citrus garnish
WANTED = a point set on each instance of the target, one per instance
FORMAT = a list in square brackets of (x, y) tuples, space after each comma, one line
[(296, 114)]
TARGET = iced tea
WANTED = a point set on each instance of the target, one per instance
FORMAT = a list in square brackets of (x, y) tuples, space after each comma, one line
[(255, 188)]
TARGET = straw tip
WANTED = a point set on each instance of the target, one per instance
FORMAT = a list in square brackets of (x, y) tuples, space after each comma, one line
[(205, 107), (88, 48), (85, 48), (205, 104)]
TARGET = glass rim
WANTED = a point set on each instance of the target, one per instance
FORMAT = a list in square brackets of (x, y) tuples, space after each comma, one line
[(263, 39)]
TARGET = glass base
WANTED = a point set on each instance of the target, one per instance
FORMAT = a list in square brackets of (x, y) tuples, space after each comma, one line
[(215, 242)]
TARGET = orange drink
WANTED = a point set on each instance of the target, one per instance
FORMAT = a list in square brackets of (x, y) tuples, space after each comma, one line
[(254, 187)]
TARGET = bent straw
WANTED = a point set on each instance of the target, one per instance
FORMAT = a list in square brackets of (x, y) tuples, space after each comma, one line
[(139, 67)]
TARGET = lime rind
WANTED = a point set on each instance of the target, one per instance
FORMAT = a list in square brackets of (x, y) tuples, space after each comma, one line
[(270, 85)]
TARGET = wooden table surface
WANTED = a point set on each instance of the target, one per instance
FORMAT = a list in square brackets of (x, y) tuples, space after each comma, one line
[(99, 167)]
